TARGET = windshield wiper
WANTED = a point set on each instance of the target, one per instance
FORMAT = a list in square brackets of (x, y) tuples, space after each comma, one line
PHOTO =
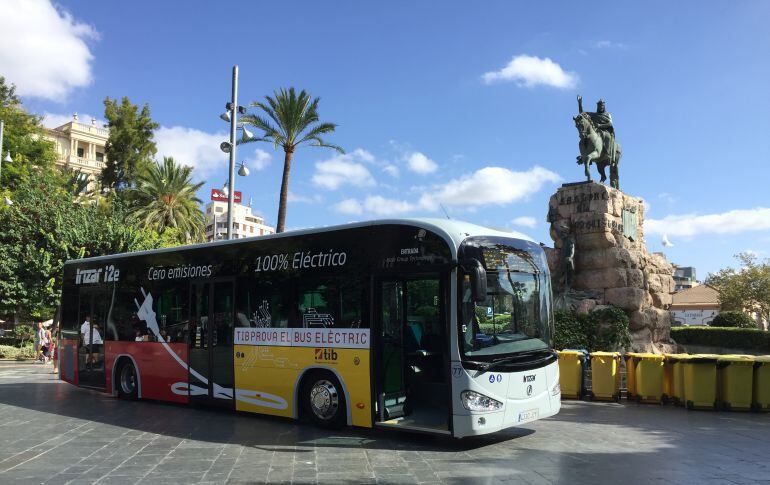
[(486, 366)]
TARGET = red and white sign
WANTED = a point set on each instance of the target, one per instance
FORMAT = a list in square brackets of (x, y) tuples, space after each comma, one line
[(346, 338), (220, 196)]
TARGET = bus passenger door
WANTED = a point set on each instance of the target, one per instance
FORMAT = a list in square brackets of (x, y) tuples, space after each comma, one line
[(391, 389), (91, 306), (413, 360), (211, 343)]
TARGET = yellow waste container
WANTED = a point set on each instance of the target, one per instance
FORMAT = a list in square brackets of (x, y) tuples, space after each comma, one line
[(700, 381), (736, 381), (762, 383), (571, 363), (649, 378), (676, 363), (605, 376), (668, 377), (630, 375)]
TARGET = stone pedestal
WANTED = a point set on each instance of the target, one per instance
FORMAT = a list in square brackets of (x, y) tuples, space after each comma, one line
[(612, 264)]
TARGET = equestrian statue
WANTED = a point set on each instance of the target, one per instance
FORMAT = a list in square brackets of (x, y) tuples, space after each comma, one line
[(597, 142)]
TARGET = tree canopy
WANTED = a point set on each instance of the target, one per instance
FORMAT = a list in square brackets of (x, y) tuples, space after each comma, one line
[(292, 120), (22, 137), (45, 227), (746, 288), (164, 199), (130, 146)]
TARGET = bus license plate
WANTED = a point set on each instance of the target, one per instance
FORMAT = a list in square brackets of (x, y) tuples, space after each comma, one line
[(528, 415)]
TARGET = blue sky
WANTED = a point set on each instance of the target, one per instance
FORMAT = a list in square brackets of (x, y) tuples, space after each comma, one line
[(686, 83)]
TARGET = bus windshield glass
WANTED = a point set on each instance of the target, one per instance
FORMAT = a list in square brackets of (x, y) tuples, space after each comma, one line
[(515, 317)]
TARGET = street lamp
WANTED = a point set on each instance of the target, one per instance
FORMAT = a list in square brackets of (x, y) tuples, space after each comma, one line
[(232, 110)]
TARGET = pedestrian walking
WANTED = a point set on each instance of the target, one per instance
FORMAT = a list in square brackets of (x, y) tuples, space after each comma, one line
[(55, 350), (36, 343), (48, 349), (42, 349)]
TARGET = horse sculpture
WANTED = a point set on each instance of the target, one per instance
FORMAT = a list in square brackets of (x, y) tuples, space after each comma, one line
[(599, 148)]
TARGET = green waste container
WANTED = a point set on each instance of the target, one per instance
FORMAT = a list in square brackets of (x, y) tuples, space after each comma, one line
[(736, 381), (675, 363), (571, 371), (762, 383), (649, 377), (700, 381), (630, 375), (605, 376)]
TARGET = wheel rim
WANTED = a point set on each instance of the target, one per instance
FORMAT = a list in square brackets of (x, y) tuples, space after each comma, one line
[(324, 400), (128, 379)]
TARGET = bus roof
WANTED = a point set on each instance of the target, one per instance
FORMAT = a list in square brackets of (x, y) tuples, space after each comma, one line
[(454, 232)]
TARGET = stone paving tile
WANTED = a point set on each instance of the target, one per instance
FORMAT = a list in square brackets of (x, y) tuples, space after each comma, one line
[(79, 436)]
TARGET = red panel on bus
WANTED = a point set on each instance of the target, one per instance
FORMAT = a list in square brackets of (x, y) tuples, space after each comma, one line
[(158, 370), (68, 360)]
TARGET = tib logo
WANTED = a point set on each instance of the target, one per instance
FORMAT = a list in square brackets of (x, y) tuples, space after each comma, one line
[(326, 355)]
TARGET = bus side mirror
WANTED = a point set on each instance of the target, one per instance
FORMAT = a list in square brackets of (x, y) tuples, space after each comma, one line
[(478, 276)]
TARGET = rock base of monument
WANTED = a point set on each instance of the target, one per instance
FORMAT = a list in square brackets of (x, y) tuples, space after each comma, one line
[(611, 263)]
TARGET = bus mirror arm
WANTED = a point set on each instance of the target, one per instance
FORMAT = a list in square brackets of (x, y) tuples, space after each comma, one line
[(478, 276)]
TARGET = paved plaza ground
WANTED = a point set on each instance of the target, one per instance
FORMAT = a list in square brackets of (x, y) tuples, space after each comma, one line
[(52, 432)]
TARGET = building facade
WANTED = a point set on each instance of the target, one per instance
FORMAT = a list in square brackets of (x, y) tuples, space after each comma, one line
[(80, 146), (245, 224), (695, 306), (684, 278)]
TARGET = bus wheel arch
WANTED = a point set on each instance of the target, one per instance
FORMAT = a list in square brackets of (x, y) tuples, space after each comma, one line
[(126, 379), (330, 392)]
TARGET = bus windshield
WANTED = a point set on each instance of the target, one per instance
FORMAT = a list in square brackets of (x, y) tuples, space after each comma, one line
[(515, 317)]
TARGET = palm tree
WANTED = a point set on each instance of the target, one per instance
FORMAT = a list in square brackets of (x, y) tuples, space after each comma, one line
[(164, 198), (293, 121)]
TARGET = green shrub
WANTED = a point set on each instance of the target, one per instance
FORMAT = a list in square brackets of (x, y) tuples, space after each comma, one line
[(730, 338), (733, 319), (602, 329), (11, 352), (571, 331)]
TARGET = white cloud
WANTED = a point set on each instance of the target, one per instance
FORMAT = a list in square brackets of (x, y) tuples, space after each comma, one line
[(530, 71), (305, 199), (43, 49), (489, 185), (730, 222), (391, 170), (54, 120), (259, 160), (668, 198), (608, 44), (419, 163), (349, 206), (344, 169), (200, 150), (525, 221), (381, 206)]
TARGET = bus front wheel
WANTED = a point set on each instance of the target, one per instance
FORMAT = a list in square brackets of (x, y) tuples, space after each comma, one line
[(323, 400), (127, 381)]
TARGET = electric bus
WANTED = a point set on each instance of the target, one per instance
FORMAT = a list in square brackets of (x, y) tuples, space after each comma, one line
[(436, 326)]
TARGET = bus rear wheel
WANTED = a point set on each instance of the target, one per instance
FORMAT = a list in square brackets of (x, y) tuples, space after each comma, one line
[(128, 387), (323, 400)]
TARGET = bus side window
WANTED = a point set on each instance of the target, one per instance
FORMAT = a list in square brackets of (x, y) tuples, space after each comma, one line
[(318, 303), (263, 304), (331, 303)]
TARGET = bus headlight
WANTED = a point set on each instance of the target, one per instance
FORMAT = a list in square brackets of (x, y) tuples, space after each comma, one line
[(473, 401), (556, 389)]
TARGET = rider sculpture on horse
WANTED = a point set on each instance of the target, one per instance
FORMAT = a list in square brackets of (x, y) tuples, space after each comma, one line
[(597, 142)]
